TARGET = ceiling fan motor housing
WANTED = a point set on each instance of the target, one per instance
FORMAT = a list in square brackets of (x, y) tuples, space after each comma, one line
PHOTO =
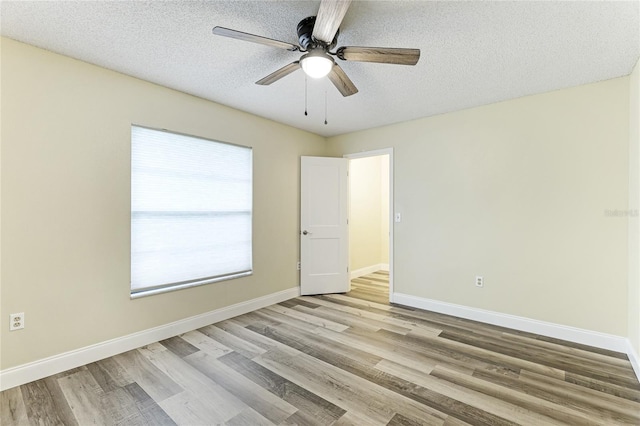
[(305, 37)]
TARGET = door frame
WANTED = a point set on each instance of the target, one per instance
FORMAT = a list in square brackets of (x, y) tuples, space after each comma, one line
[(376, 153)]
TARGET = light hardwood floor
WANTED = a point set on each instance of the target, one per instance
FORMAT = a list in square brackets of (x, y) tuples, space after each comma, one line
[(349, 359)]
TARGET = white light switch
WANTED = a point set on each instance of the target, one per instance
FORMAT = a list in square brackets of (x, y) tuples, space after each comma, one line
[(398, 217)]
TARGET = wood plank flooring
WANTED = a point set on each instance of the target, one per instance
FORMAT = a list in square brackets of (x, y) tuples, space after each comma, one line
[(344, 359)]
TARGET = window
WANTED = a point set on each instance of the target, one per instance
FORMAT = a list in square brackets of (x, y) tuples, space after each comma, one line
[(191, 208)]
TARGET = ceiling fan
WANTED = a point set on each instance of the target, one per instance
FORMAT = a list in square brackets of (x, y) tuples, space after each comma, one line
[(317, 35)]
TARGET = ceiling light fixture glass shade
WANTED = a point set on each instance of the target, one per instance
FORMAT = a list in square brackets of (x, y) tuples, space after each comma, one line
[(316, 64)]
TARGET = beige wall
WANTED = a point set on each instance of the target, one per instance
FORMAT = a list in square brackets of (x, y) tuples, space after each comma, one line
[(634, 207), (66, 209), (368, 212), (516, 192)]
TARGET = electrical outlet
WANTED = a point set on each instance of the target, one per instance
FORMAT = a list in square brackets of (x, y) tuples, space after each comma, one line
[(16, 321), (479, 281), (298, 266)]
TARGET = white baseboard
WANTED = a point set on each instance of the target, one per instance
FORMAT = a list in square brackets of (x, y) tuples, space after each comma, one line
[(368, 270), (634, 358), (26, 373), (558, 331)]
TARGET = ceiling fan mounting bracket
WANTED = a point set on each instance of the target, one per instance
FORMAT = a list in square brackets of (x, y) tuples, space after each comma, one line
[(306, 39)]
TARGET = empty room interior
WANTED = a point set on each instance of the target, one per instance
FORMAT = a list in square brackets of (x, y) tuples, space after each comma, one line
[(319, 213)]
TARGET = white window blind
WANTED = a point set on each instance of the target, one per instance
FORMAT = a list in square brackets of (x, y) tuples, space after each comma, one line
[(191, 209)]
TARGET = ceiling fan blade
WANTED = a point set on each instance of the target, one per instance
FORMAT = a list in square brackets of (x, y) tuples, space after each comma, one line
[(277, 75), (342, 82), (329, 18), (384, 55), (226, 32)]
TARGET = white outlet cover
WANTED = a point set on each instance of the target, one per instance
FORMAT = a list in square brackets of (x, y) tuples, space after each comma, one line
[(16, 321)]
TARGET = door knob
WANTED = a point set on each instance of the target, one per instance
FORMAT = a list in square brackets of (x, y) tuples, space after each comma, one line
[(306, 232)]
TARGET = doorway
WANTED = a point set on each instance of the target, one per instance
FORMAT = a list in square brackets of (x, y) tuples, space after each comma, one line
[(370, 219)]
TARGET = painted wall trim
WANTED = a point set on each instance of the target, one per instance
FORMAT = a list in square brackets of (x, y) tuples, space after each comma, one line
[(26, 373), (634, 358), (373, 153), (558, 331), (368, 270)]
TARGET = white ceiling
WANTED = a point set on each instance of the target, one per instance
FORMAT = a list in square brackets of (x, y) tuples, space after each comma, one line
[(473, 53)]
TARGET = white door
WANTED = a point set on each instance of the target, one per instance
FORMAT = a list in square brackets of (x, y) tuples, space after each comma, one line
[(324, 247)]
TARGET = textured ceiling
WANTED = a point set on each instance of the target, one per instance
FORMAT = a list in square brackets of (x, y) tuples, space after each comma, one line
[(473, 53)]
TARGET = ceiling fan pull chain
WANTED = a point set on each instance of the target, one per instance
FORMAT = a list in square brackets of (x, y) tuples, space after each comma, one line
[(325, 107), (305, 95)]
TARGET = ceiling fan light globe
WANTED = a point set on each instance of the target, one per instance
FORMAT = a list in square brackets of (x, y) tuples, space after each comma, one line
[(316, 66)]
